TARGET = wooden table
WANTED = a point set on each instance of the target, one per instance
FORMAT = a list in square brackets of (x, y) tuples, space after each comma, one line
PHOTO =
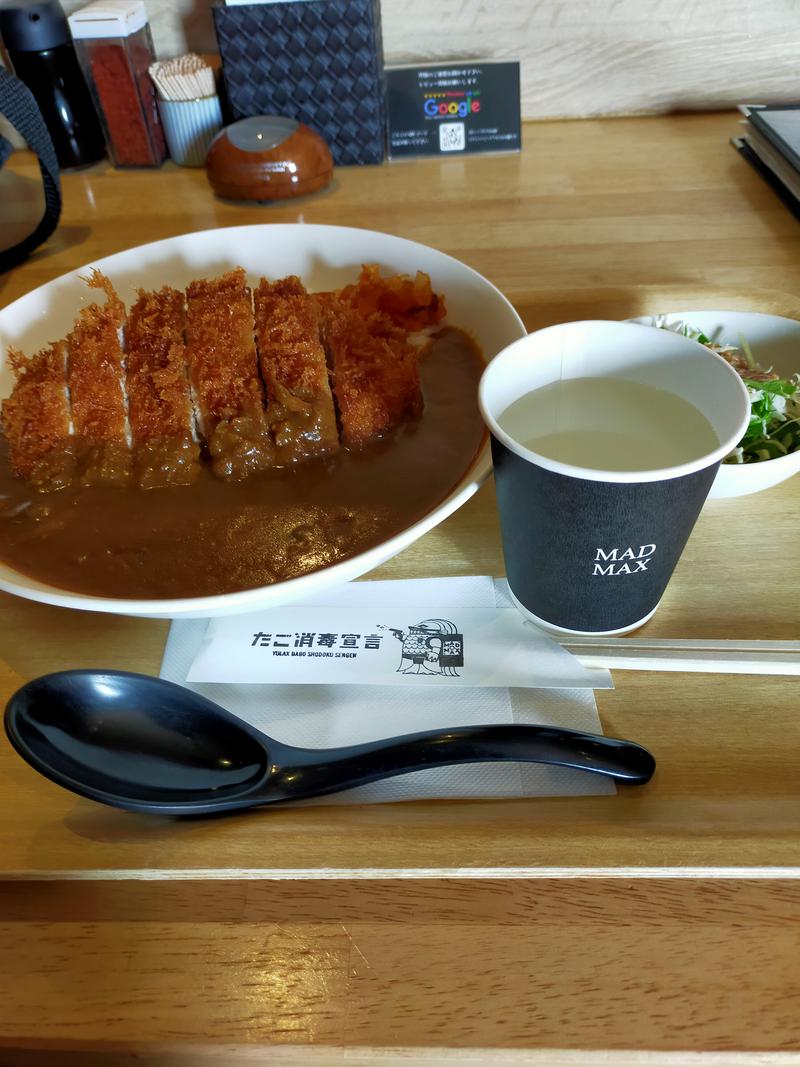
[(665, 918)]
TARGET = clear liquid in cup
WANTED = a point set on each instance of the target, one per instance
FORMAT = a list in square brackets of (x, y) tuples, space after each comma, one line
[(609, 424)]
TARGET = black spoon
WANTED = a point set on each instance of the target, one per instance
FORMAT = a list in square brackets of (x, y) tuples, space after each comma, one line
[(147, 745)]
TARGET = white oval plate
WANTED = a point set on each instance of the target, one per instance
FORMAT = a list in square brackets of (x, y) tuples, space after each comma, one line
[(775, 342), (325, 257)]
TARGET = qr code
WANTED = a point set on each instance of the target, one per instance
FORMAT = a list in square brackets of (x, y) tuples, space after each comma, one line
[(451, 137)]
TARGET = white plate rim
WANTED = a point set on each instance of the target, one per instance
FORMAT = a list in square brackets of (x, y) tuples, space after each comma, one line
[(295, 588)]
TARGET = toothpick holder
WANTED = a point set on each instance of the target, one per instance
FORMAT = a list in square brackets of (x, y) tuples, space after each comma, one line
[(190, 126)]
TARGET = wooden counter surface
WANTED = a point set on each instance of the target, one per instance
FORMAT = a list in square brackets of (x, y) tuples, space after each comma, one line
[(665, 918)]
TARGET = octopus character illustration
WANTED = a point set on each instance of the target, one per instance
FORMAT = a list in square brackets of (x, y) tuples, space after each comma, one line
[(433, 646)]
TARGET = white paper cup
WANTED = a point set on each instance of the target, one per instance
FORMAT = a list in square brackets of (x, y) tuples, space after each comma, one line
[(591, 551)]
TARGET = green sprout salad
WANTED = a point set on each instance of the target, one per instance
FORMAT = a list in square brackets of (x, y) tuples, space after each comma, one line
[(774, 428)]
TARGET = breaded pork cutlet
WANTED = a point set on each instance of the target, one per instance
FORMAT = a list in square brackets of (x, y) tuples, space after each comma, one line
[(95, 375), (223, 373), (293, 365), (36, 419), (159, 404), (409, 304), (376, 387)]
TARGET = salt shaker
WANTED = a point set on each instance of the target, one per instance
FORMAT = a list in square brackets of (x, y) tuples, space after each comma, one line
[(113, 42)]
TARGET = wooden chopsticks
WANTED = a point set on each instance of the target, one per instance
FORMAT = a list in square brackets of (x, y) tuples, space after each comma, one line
[(668, 654)]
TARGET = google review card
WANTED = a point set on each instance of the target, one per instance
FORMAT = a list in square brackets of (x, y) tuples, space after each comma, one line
[(452, 108)]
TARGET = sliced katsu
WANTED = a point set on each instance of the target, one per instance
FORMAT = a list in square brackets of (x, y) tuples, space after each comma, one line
[(408, 304), (223, 373), (220, 378), (293, 365), (36, 419), (376, 385), (159, 404), (95, 376)]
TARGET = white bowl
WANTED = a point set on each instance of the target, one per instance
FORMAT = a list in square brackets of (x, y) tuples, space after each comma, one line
[(325, 257), (775, 342)]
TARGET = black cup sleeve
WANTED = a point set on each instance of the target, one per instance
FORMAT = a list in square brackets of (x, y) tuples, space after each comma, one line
[(588, 555)]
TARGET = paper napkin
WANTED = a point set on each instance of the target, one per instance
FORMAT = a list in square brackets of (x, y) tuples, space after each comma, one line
[(327, 715), (373, 644)]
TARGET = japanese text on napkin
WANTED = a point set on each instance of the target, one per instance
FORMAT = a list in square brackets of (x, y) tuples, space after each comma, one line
[(372, 644)]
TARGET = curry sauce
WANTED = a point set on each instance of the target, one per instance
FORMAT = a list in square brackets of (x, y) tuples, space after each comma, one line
[(219, 536)]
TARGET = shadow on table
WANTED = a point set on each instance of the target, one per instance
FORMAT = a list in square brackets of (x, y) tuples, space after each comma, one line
[(98, 822), (776, 214), (64, 237), (21, 208)]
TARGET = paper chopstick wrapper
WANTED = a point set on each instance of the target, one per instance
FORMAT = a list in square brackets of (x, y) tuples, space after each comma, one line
[(376, 645)]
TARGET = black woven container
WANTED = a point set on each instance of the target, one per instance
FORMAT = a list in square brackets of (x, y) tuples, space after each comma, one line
[(318, 61)]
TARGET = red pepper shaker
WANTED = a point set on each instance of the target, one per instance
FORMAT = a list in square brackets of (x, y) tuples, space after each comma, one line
[(113, 43)]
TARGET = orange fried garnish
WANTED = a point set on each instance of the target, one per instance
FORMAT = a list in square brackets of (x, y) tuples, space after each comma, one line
[(409, 303)]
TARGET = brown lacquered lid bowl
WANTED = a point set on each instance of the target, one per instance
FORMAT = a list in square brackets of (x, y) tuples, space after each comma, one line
[(268, 157)]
